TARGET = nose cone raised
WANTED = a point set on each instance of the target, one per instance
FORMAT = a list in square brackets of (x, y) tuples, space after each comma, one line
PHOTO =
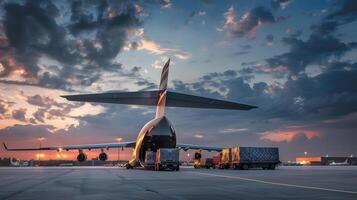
[(162, 128)]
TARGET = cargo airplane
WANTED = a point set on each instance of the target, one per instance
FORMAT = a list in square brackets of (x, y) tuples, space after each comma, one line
[(157, 133)]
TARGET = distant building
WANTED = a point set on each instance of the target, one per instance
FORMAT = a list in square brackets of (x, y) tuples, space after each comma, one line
[(308, 160), (326, 160)]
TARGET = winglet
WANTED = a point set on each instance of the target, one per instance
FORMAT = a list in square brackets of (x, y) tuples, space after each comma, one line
[(5, 146)]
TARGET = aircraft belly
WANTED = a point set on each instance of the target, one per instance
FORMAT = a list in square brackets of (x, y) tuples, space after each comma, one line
[(158, 133)]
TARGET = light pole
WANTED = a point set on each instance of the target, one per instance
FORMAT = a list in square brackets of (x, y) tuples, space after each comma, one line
[(305, 153), (119, 139), (40, 139)]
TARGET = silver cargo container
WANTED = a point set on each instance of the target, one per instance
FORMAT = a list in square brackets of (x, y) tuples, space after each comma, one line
[(249, 157), (150, 159), (167, 158)]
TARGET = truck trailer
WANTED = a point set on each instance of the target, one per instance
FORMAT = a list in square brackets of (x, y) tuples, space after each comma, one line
[(249, 157), (167, 159)]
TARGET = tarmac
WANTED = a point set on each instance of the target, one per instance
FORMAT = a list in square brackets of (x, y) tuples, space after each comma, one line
[(295, 182)]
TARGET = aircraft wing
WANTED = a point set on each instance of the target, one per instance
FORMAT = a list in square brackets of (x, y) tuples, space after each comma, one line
[(198, 147), (73, 147), (150, 98)]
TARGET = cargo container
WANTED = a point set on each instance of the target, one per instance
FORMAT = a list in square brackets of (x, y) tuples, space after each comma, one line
[(250, 157), (150, 159), (167, 159)]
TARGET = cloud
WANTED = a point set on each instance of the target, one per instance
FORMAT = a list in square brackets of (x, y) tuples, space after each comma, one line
[(199, 136), (316, 49), (239, 53), (39, 115), (159, 64), (4, 107), (19, 114), (193, 15), (155, 48), (165, 3), (248, 23), (258, 68), (233, 130), (97, 33), (269, 38), (43, 101), (347, 11), (281, 3), (288, 135)]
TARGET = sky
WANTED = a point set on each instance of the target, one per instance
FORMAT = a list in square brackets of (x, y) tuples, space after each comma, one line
[(295, 60)]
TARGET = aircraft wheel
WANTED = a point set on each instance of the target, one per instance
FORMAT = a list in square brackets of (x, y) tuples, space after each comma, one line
[(158, 167), (272, 167), (128, 166)]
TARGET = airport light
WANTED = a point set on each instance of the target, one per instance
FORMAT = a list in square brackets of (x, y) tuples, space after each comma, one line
[(40, 155), (119, 139), (59, 155), (40, 139)]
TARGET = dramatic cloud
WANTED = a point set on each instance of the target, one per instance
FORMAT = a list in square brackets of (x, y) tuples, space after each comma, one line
[(316, 50), (82, 48), (321, 46), (248, 22)]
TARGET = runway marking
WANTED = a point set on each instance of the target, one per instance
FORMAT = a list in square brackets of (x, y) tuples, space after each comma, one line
[(279, 184)]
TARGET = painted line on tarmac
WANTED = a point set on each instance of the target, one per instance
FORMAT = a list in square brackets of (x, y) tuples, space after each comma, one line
[(278, 184)]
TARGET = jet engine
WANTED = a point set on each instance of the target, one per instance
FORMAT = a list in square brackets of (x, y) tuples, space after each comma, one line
[(103, 156), (82, 157), (198, 155)]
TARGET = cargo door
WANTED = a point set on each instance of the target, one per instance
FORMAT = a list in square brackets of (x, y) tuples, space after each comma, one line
[(235, 155)]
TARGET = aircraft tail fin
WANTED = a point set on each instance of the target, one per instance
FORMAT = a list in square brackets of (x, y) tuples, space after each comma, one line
[(161, 102), (160, 98), (164, 76)]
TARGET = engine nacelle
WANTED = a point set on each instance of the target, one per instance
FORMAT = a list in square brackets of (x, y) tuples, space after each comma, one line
[(103, 156), (82, 157), (198, 156)]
